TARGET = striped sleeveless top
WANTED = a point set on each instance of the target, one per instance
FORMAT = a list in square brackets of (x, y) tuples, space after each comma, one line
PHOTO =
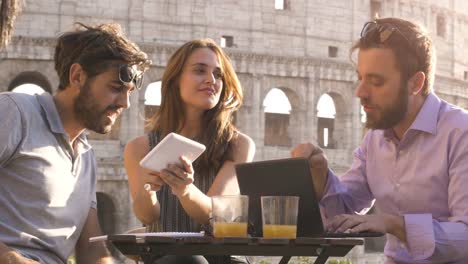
[(173, 217)]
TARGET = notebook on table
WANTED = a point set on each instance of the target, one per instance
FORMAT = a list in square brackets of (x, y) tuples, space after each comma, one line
[(285, 177), (152, 234)]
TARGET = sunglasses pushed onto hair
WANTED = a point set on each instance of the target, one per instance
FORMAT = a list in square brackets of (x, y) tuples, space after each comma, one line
[(130, 73), (382, 30)]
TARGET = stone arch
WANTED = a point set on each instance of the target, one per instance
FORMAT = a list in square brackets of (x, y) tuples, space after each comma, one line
[(326, 112), (342, 94), (153, 89), (292, 97), (342, 120), (154, 74), (291, 94), (29, 89), (151, 105), (276, 110), (277, 126), (33, 77), (106, 213)]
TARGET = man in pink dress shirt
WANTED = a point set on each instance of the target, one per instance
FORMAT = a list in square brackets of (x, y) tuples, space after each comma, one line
[(413, 161)]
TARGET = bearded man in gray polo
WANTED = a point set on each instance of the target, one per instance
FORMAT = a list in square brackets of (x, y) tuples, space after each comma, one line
[(47, 167)]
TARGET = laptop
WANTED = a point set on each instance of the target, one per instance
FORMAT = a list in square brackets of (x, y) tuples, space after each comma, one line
[(285, 177)]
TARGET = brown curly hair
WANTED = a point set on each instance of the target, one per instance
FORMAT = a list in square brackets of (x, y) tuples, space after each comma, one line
[(93, 48), (411, 44)]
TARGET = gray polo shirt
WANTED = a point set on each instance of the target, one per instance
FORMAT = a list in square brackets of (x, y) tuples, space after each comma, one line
[(46, 188)]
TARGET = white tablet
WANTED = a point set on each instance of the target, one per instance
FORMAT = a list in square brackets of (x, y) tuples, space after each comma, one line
[(169, 150)]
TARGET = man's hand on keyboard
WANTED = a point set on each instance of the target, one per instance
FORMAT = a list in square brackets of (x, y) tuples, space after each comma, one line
[(384, 223)]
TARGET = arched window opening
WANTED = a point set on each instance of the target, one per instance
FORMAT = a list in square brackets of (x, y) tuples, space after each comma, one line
[(375, 9), (152, 99), (277, 108), (28, 88), (30, 78), (281, 4), (326, 121)]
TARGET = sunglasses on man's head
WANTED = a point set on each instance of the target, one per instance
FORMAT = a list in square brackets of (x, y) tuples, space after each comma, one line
[(382, 30), (128, 74)]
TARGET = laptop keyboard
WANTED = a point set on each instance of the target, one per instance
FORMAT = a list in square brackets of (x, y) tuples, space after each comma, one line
[(361, 234)]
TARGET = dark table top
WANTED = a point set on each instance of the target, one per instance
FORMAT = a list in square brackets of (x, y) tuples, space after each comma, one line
[(156, 245)]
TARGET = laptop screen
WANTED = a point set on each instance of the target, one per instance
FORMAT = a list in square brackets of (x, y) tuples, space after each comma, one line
[(281, 177)]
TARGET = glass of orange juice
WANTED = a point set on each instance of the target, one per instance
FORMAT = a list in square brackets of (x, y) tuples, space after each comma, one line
[(279, 216), (230, 214)]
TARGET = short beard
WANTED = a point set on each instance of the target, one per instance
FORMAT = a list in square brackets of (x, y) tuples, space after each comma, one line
[(87, 110), (392, 115)]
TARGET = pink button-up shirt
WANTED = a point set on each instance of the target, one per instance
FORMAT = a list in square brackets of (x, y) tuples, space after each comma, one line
[(423, 177)]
